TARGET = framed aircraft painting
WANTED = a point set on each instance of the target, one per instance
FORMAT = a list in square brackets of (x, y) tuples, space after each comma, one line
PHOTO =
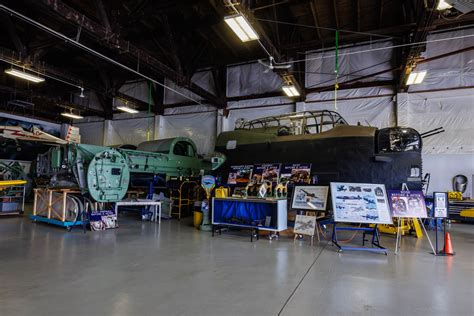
[(364, 203), (313, 198)]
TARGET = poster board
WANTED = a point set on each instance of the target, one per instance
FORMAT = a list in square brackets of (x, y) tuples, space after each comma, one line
[(316, 195), (364, 203), (407, 204), (296, 173), (305, 225), (102, 220), (240, 174), (266, 172), (440, 204)]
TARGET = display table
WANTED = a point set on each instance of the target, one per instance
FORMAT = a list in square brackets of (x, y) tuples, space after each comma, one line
[(156, 208), (250, 213)]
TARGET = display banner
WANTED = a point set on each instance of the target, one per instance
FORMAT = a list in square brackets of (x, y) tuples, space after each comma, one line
[(407, 204), (266, 172), (360, 203), (240, 174), (296, 173)]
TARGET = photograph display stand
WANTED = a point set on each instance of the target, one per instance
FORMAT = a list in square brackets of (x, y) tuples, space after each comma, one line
[(363, 203), (399, 235), (305, 225), (310, 200), (375, 242)]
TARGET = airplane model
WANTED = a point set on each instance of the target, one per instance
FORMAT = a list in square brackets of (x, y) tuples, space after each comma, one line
[(17, 133)]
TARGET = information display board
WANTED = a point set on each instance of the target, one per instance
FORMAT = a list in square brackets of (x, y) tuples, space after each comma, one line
[(440, 204), (310, 198), (360, 203), (407, 204)]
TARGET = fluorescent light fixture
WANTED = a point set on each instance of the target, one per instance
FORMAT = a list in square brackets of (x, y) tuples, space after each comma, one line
[(239, 24), (443, 5), (290, 90), (72, 115), (127, 109), (416, 77), (24, 75)]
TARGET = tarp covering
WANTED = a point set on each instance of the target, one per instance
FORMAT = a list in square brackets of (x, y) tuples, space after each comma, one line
[(203, 79), (321, 65), (452, 71), (129, 131), (378, 112), (251, 79), (200, 127), (91, 133), (453, 110), (138, 90)]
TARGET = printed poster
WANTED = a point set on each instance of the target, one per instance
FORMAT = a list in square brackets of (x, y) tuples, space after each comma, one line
[(407, 204), (296, 173), (240, 174), (266, 172), (364, 203)]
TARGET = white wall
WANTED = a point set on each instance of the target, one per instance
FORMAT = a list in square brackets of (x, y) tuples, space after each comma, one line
[(443, 167)]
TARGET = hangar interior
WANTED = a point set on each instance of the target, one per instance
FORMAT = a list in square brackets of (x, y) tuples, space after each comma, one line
[(122, 85)]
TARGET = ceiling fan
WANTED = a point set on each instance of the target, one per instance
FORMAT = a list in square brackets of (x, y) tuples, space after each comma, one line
[(271, 66)]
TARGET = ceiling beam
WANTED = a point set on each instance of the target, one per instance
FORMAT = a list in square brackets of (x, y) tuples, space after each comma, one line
[(336, 18), (381, 14), (411, 55), (7, 23), (115, 42), (314, 13)]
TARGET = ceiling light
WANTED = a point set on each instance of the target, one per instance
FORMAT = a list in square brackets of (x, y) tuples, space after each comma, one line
[(416, 77), (290, 90), (443, 5), (72, 115), (82, 93), (24, 75), (127, 109), (239, 24)]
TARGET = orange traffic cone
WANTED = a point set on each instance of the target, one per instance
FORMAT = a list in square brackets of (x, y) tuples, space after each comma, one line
[(448, 247)]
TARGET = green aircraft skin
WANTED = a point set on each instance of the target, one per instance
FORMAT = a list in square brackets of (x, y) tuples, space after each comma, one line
[(105, 172)]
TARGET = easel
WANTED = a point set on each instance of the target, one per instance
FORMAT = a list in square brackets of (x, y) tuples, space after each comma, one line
[(366, 230), (418, 219)]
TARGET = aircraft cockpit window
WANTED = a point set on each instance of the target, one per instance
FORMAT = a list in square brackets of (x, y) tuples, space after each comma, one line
[(183, 149), (398, 139)]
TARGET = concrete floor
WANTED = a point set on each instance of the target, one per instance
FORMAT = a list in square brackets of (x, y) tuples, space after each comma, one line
[(144, 269)]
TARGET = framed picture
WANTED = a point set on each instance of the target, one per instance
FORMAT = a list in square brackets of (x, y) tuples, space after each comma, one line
[(310, 198), (305, 225), (407, 204), (364, 203), (440, 204)]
